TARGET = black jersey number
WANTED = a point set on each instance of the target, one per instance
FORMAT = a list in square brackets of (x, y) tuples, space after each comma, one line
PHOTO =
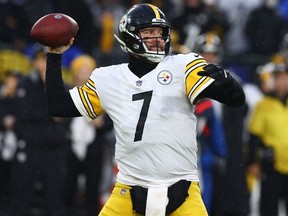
[(146, 97)]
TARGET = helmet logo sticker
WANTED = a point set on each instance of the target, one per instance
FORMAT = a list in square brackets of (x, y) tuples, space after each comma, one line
[(123, 23), (164, 77)]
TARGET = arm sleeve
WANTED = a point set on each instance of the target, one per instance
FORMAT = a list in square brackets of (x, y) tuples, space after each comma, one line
[(254, 144), (230, 93), (58, 98)]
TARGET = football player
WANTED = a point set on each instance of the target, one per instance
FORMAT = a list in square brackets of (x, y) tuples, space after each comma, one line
[(151, 100)]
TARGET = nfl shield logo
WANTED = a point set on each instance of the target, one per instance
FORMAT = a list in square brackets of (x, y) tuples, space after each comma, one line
[(138, 82)]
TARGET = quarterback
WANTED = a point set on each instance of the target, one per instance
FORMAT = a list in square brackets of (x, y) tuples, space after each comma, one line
[(151, 100)]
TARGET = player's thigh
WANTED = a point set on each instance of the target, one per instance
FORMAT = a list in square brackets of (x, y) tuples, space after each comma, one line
[(193, 205), (119, 203)]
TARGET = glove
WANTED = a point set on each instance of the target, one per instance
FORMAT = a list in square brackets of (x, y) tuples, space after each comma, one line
[(216, 72)]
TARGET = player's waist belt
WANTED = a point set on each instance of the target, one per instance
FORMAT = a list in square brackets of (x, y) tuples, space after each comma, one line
[(176, 194)]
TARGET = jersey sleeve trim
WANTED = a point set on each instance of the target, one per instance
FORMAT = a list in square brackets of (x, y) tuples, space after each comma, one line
[(78, 103), (195, 84), (86, 100)]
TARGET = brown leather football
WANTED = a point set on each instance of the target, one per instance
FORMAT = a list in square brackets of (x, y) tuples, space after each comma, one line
[(54, 30)]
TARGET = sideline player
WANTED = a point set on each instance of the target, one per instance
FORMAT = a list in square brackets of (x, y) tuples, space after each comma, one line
[(151, 101)]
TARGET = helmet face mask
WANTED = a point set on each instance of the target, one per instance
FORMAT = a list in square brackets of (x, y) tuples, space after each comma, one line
[(137, 18)]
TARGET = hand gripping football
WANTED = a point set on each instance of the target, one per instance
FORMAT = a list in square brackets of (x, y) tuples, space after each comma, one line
[(54, 30)]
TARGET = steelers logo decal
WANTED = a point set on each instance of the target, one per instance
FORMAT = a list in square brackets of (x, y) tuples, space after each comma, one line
[(164, 77), (123, 23)]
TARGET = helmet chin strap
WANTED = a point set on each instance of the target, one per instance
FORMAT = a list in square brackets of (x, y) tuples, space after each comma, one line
[(153, 56), (148, 58), (122, 44)]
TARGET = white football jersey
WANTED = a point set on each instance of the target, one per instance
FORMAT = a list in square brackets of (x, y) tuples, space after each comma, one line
[(153, 117)]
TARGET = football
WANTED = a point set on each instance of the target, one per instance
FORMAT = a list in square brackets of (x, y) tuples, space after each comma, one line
[(54, 30)]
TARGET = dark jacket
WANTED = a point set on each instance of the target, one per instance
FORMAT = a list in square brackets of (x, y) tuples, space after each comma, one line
[(34, 125)]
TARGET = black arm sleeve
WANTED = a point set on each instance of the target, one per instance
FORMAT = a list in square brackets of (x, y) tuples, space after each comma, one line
[(59, 100), (254, 144), (230, 93)]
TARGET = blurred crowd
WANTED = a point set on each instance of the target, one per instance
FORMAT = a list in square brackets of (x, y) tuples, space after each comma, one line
[(66, 165)]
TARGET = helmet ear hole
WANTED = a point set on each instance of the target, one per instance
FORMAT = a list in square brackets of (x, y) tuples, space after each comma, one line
[(136, 46), (138, 17)]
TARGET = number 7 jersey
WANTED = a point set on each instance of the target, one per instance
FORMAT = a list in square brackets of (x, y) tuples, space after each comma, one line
[(153, 117)]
